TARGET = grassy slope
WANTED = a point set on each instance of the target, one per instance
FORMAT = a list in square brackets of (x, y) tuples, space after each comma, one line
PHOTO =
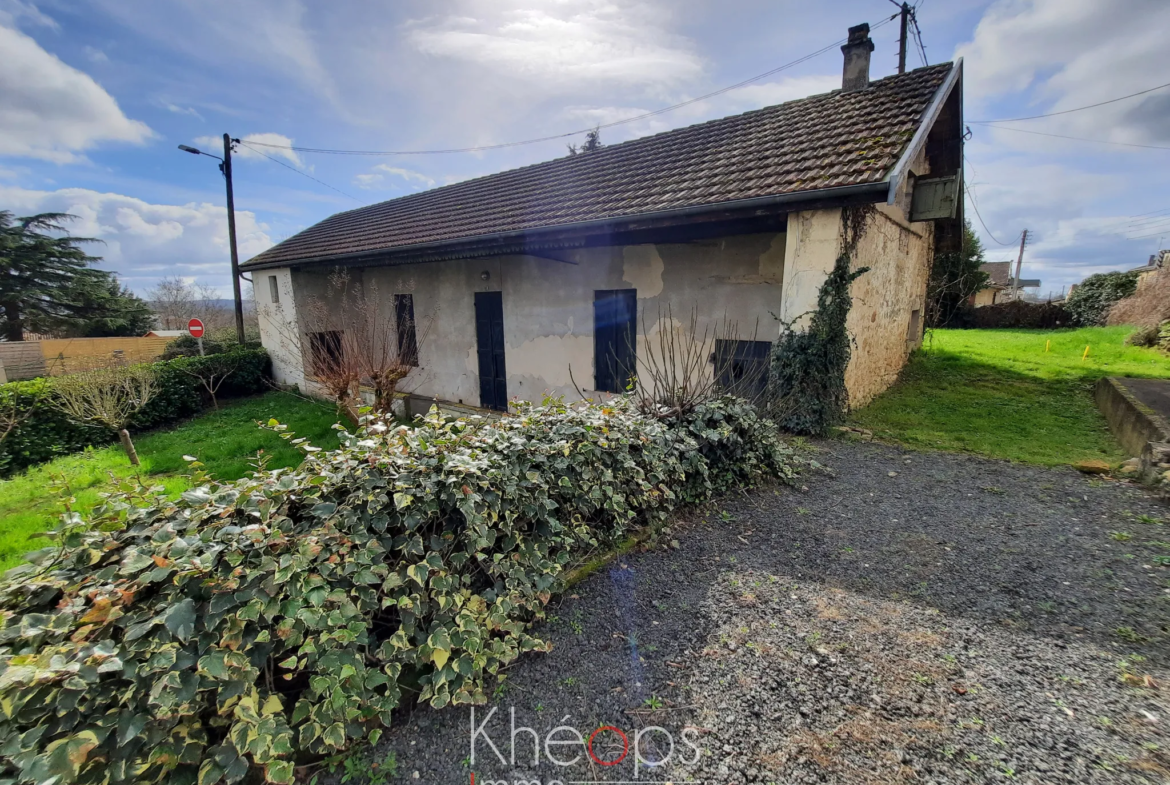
[(225, 441), (999, 393)]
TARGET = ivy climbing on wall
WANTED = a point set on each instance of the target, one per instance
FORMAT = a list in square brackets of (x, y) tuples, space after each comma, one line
[(806, 384)]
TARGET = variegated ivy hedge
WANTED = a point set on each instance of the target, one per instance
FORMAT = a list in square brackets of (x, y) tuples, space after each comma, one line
[(255, 624)]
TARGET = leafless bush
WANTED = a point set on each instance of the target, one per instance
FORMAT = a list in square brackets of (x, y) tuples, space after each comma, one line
[(351, 338), (212, 371), (108, 396), (1148, 306), (175, 301), (683, 365)]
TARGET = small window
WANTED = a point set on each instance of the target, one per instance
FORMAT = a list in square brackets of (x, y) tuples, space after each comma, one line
[(741, 367), (914, 331), (326, 352), (405, 328), (273, 289)]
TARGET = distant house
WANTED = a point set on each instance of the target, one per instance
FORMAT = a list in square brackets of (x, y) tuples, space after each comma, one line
[(1000, 284), (537, 271), (1150, 269)]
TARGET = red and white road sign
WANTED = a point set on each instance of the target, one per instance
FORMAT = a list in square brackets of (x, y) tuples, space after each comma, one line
[(195, 327)]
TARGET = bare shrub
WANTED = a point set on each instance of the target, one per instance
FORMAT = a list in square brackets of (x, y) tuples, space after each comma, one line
[(683, 364), (351, 338), (1148, 306), (211, 371), (108, 396)]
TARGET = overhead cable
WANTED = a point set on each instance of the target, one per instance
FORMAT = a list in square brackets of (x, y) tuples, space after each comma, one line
[(554, 137), (1070, 111)]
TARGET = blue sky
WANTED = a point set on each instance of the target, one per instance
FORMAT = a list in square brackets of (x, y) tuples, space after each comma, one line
[(95, 96)]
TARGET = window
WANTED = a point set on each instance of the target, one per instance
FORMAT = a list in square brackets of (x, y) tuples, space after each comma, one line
[(615, 312), (404, 326), (273, 290), (325, 350), (914, 331), (741, 367)]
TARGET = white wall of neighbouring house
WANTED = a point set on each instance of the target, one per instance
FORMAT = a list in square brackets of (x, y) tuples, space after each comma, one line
[(279, 325)]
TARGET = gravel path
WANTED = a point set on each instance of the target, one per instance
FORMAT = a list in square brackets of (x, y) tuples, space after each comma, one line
[(913, 618)]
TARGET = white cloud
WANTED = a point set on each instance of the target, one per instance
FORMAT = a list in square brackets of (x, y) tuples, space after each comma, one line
[(563, 46), (142, 241), (13, 12), (188, 110), (214, 145), (377, 176), (1063, 54), (96, 56), (51, 111)]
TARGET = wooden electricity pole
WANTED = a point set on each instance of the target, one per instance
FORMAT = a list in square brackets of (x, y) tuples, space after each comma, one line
[(902, 38), (226, 168), (1019, 264)]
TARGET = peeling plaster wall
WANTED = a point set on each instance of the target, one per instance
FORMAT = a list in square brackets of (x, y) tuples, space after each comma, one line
[(279, 325), (548, 304), (883, 321), (884, 299), (548, 307)]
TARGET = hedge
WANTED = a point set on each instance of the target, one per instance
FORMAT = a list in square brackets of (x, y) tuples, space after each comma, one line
[(1016, 314), (48, 433), (254, 625)]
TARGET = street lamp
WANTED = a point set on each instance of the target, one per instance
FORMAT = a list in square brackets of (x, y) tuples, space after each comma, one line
[(225, 167)]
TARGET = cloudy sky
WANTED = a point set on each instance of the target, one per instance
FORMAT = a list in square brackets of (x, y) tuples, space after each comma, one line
[(95, 96)]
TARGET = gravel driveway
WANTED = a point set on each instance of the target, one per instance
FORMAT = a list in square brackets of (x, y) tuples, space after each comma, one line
[(912, 618)]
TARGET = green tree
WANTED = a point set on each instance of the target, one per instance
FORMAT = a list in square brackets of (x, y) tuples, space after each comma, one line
[(954, 277), (96, 305), (592, 142), (35, 269)]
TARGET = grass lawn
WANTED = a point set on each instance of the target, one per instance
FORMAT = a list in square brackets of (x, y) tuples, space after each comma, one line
[(999, 393), (225, 441)]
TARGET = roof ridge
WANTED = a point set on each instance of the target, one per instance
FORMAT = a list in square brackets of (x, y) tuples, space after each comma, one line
[(819, 141), (661, 134)]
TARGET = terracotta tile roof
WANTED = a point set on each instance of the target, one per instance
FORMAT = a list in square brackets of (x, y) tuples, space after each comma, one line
[(834, 139), (998, 273)]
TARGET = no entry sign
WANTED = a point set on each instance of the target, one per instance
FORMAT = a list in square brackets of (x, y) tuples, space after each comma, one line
[(195, 327)]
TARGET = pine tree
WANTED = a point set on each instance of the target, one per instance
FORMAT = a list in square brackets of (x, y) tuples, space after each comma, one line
[(47, 283)]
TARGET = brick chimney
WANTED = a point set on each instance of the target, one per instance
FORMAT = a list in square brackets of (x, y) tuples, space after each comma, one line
[(856, 73)]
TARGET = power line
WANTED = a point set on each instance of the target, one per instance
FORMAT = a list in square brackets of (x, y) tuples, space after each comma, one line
[(298, 171), (554, 137), (918, 37), (1070, 111), (1081, 138), (981, 221)]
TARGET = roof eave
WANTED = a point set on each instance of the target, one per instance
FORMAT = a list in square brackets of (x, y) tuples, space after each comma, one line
[(898, 173), (875, 191)]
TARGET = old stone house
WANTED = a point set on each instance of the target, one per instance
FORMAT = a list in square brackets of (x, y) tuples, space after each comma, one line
[(1001, 284), (557, 272)]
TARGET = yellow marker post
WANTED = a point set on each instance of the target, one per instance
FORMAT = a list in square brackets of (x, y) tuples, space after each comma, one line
[(1086, 354), (1047, 346)]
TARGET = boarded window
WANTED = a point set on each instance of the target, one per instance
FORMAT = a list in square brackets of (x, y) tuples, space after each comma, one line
[(273, 289), (914, 331), (404, 326), (325, 351), (742, 367), (615, 314)]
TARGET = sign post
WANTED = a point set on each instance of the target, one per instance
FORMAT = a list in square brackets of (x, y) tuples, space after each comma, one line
[(195, 327)]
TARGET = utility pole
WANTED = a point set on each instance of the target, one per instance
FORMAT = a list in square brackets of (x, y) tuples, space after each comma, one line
[(226, 168), (902, 38), (1019, 264)]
